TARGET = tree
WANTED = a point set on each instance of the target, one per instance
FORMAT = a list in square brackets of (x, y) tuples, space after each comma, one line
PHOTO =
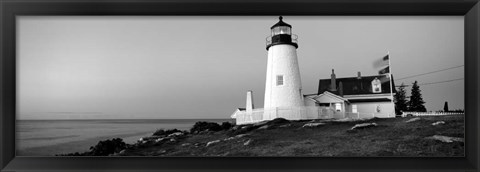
[(416, 101), (400, 100), (445, 107)]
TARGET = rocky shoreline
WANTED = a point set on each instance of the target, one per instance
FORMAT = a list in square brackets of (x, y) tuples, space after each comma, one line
[(425, 136)]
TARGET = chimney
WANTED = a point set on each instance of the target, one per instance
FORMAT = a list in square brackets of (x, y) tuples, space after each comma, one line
[(340, 88), (359, 75), (333, 86), (249, 107)]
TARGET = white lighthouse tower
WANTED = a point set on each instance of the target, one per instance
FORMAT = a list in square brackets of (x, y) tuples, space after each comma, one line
[(283, 87)]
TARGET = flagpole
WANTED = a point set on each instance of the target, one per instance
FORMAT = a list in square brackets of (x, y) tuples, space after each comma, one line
[(391, 88)]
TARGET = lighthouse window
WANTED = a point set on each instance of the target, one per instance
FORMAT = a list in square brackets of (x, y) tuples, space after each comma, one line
[(279, 80)]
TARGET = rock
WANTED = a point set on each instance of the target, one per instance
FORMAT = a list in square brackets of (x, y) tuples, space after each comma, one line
[(263, 127), (230, 138), (212, 142), (241, 135), (185, 144), (235, 137), (364, 125), (413, 119), (118, 154), (247, 142), (161, 151), (260, 123), (313, 124), (160, 139), (175, 134), (172, 140), (286, 125), (345, 120), (438, 123), (236, 127), (446, 139), (122, 152), (151, 138)]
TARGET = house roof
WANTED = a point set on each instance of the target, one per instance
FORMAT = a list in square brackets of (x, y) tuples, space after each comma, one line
[(309, 95), (356, 86), (330, 94)]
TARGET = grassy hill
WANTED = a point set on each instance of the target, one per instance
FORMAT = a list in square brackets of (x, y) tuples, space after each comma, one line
[(391, 137)]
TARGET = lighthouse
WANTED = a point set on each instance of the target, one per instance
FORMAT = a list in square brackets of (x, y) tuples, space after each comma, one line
[(283, 87)]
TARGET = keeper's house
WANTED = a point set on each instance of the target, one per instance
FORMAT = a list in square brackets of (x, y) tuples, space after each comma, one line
[(365, 96)]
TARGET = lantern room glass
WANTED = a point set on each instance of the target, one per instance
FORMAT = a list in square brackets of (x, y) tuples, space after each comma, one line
[(281, 30)]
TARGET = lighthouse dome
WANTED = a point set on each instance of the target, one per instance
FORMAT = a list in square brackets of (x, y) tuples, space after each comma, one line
[(281, 23)]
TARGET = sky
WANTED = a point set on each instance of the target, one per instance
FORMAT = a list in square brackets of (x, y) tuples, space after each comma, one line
[(198, 67)]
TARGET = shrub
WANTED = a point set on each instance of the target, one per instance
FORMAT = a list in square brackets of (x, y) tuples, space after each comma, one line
[(103, 148), (162, 132), (226, 125), (203, 126), (107, 147)]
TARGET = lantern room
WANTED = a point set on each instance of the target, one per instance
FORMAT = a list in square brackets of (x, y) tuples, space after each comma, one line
[(281, 34)]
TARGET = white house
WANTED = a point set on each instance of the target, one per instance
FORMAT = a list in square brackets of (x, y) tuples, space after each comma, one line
[(365, 96)]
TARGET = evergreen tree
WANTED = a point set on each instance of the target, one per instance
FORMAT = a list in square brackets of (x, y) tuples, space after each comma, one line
[(445, 107), (400, 100), (416, 101)]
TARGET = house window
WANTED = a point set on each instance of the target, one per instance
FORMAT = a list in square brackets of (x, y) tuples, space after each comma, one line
[(279, 80), (338, 107), (354, 108), (324, 104)]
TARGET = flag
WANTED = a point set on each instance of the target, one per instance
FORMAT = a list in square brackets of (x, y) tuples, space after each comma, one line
[(384, 70), (381, 62), (385, 58)]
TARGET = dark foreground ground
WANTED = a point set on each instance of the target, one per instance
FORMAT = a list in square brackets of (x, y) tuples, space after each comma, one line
[(391, 137)]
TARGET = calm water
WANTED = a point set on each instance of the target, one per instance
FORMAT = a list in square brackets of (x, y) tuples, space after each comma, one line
[(50, 137)]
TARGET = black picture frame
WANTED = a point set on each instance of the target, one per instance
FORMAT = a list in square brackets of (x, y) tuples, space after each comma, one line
[(9, 9)]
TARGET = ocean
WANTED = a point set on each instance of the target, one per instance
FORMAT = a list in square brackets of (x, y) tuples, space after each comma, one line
[(51, 137)]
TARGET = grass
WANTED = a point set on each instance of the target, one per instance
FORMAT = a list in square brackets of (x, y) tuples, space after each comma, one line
[(392, 137)]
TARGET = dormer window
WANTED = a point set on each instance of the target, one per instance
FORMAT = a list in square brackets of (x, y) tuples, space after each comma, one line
[(376, 86)]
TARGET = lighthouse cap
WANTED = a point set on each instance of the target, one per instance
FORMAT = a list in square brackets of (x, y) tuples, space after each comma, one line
[(280, 23)]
